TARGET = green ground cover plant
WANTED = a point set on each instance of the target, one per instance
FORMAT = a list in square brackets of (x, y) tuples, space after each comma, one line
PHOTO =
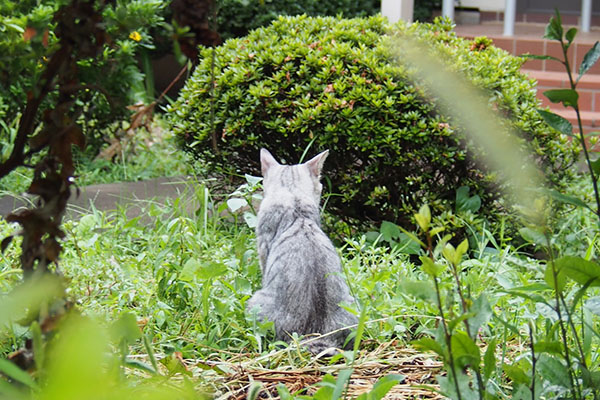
[(186, 277), (336, 84)]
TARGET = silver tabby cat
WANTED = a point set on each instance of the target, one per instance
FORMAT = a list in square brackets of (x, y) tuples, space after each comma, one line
[(302, 281)]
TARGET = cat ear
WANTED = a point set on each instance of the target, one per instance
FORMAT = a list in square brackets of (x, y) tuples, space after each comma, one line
[(315, 164), (266, 161)]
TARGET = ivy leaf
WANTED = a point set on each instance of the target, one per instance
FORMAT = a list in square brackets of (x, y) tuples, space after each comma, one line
[(557, 122), (589, 60), (568, 97)]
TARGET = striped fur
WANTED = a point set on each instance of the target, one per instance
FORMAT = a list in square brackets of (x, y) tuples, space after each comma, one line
[(302, 282)]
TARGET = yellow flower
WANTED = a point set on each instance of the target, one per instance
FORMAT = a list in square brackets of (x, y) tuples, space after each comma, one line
[(135, 35)]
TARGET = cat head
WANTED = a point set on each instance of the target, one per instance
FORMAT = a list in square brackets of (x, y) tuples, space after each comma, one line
[(299, 180)]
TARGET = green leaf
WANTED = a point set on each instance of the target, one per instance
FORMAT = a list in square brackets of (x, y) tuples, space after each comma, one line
[(283, 392), (142, 366), (254, 390), (461, 250), (557, 122), (464, 202), (412, 237), (539, 57), (383, 386), (553, 371), (548, 347), (566, 199), (580, 270), (449, 253), (568, 97), (489, 360), (38, 345), (534, 236), (407, 245), (430, 267), (389, 231), (561, 279), (554, 29), (455, 321), (590, 58), (194, 268), (341, 382), (423, 217), (465, 351), (570, 35), (521, 392), (435, 231), (126, 328), (590, 379), (516, 374), (482, 312), (420, 289), (595, 165), (15, 373), (235, 204), (429, 344)]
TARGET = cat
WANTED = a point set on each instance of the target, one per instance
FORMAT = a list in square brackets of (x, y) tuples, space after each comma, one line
[(302, 281)]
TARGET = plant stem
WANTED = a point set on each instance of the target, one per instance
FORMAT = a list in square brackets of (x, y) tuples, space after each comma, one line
[(533, 361), (466, 322), (447, 336), (581, 135), (561, 323)]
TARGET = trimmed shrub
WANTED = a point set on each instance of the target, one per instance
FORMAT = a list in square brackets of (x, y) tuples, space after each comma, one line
[(236, 18), (328, 83)]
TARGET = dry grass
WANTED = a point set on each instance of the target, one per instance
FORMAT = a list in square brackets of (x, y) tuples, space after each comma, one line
[(298, 371)]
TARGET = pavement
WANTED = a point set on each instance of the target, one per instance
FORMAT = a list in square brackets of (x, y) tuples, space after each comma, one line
[(136, 196)]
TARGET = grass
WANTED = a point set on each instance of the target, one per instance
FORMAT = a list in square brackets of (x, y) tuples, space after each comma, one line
[(186, 278), (185, 268)]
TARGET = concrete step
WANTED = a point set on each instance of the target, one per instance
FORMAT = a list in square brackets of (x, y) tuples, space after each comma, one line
[(528, 39), (588, 88), (589, 97)]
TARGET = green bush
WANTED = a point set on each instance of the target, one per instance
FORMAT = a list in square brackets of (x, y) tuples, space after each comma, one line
[(329, 83), (236, 18), (28, 39)]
